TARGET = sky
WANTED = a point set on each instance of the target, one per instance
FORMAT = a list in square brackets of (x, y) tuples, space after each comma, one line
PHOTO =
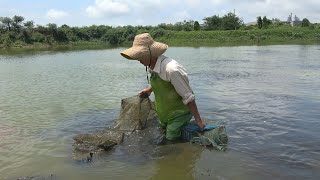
[(152, 12)]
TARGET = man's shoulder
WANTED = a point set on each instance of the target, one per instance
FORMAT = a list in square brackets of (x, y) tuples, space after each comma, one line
[(171, 66)]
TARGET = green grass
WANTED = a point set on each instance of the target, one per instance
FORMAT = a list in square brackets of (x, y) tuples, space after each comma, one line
[(242, 37)]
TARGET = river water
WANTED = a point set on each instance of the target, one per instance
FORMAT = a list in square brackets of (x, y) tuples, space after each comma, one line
[(268, 97)]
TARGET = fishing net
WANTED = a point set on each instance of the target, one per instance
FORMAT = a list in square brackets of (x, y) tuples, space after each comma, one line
[(99, 140), (216, 137), (134, 114)]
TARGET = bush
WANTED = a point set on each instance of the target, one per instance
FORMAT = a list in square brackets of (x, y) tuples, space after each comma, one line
[(159, 32), (38, 37), (25, 36), (113, 36), (297, 35), (252, 37), (251, 27), (7, 41), (19, 43)]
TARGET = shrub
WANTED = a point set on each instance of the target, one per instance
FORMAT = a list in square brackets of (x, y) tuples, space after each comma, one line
[(159, 32)]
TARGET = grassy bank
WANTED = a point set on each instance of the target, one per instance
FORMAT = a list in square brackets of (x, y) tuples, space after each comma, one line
[(242, 37), (38, 47), (75, 45), (194, 38)]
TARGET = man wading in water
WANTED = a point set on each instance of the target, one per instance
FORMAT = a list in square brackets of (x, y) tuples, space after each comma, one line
[(175, 101)]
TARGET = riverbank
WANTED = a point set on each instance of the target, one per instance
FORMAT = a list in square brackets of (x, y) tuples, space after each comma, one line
[(243, 37), (194, 39), (75, 45), (30, 48)]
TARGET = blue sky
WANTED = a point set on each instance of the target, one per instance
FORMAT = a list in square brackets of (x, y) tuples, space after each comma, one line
[(152, 12)]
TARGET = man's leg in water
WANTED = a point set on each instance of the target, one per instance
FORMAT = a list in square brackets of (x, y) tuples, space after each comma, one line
[(174, 128)]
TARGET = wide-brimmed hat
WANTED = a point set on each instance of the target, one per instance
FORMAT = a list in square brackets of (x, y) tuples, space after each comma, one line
[(143, 44)]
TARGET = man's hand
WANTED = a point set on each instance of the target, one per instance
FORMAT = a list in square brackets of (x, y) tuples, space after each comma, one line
[(201, 124), (145, 92)]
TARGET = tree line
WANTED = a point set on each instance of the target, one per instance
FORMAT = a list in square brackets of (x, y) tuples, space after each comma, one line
[(266, 23), (16, 30)]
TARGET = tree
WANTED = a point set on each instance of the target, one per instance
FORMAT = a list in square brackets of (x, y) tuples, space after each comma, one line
[(305, 22), (38, 37), (114, 36), (166, 26), (25, 36), (266, 22), (2, 29), (184, 26), (42, 30), (53, 29), (57, 34), (29, 24), (17, 19), (212, 23), (196, 26), (52, 26), (231, 22), (259, 22), (129, 33), (16, 22), (158, 32), (64, 26), (277, 22), (7, 22)]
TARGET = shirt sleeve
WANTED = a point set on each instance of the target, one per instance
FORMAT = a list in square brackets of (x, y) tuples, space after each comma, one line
[(179, 79)]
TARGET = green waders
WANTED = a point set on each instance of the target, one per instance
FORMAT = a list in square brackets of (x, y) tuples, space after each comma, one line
[(172, 113)]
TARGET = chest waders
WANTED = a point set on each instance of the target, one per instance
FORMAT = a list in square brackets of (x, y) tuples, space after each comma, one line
[(172, 113)]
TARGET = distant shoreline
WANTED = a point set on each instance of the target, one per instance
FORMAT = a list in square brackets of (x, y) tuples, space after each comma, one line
[(196, 39)]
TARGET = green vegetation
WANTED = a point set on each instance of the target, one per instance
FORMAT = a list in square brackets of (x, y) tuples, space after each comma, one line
[(259, 22), (305, 23), (226, 30), (243, 37)]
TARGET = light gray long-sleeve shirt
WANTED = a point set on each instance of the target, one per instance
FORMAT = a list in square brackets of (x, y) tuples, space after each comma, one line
[(171, 71)]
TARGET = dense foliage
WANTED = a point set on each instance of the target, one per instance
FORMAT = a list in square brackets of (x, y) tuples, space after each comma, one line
[(284, 35), (16, 32)]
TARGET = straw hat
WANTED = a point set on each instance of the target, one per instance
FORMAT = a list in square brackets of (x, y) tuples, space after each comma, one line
[(141, 45)]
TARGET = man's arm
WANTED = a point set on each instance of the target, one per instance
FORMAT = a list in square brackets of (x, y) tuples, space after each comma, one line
[(145, 92), (194, 111), (180, 82)]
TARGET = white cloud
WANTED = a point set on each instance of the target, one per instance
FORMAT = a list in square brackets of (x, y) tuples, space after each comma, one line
[(182, 15), (56, 14), (110, 8), (116, 8), (216, 2), (145, 4), (153, 12)]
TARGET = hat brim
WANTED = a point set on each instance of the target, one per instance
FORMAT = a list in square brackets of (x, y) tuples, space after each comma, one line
[(133, 53), (137, 52)]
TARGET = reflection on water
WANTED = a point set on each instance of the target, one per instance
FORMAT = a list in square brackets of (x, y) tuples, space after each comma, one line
[(267, 97)]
